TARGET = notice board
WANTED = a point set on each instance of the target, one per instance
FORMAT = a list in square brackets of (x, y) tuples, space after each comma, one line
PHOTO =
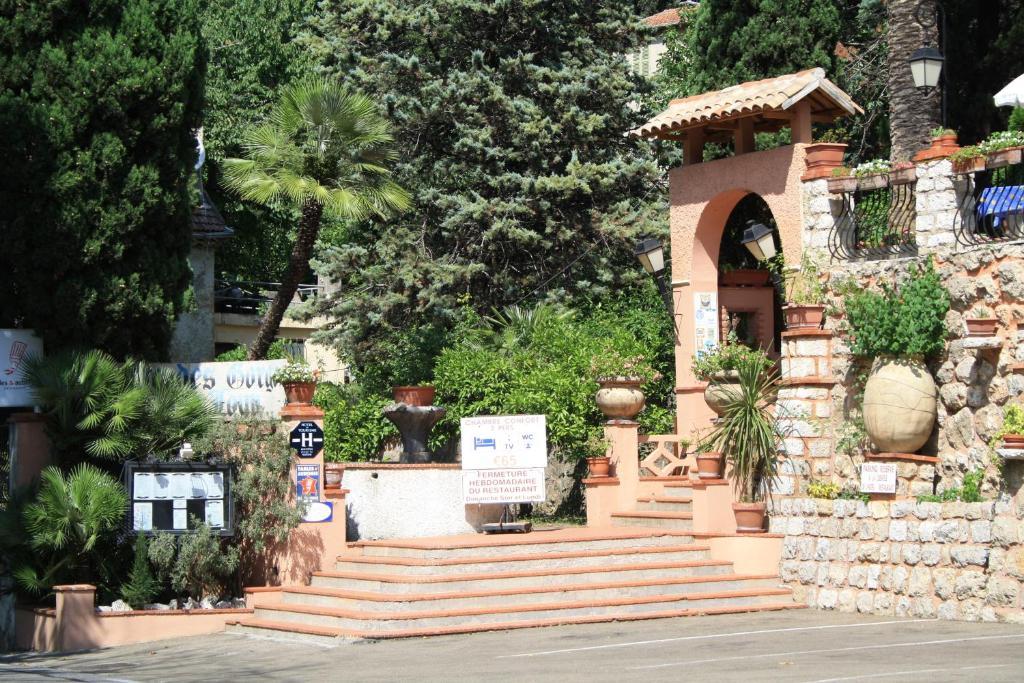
[(175, 496)]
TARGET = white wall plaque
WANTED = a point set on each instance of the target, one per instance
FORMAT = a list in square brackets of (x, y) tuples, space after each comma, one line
[(16, 346), (878, 477), (503, 442), (705, 321)]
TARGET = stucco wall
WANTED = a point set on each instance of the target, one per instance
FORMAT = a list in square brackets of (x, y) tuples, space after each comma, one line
[(407, 501)]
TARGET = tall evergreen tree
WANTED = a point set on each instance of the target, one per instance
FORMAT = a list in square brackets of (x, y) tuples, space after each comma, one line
[(99, 103), (511, 119)]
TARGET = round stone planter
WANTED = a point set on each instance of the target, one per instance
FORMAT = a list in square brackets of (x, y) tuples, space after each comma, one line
[(720, 389), (709, 465), (599, 466), (749, 517), (620, 398), (900, 404), (299, 392)]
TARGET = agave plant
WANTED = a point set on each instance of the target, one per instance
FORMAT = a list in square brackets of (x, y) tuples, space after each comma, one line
[(748, 435)]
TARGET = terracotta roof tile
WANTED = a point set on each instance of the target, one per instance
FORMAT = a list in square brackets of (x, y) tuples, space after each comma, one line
[(667, 17), (752, 99)]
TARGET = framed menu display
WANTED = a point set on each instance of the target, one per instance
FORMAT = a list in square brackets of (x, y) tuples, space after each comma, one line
[(177, 496)]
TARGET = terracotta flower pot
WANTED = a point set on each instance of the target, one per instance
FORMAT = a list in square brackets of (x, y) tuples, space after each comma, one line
[(873, 182), (1003, 157), (903, 176), (1014, 441), (804, 316), (620, 398), (749, 517), (599, 466), (332, 477), (299, 392), (822, 157), (941, 147), (842, 184), (418, 396), (709, 465), (745, 277), (971, 165), (721, 387), (981, 327), (900, 404)]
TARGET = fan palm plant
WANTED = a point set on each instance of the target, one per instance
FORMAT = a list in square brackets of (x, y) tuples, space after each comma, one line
[(68, 526), (325, 151)]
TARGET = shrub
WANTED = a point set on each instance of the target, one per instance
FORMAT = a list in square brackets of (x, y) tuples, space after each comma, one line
[(296, 371), (730, 355), (278, 350), (141, 587), (900, 321), (969, 492), (355, 427), (203, 564), (823, 489)]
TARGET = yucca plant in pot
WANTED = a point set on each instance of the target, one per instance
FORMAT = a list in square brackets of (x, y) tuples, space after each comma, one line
[(720, 366), (749, 439)]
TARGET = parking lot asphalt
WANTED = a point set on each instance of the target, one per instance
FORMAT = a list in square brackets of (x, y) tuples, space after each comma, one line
[(801, 645)]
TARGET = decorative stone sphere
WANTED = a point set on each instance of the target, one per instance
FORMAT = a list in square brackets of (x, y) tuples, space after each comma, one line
[(900, 404), (620, 398), (722, 387)]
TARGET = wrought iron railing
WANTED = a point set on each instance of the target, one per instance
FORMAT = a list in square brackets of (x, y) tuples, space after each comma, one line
[(252, 298), (991, 205), (877, 220)]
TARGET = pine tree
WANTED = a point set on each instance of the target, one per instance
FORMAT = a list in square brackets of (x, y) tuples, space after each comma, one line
[(99, 103), (141, 587), (511, 121)]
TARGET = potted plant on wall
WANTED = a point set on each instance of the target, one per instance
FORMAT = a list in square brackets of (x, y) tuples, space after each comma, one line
[(619, 379), (744, 277), (720, 368), (1011, 434), (981, 322), (968, 159), (826, 153), (898, 329), (749, 439), (298, 379), (842, 180), (596, 452), (805, 297)]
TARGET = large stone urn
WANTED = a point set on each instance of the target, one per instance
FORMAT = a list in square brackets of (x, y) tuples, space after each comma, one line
[(723, 386), (620, 398), (900, 404)]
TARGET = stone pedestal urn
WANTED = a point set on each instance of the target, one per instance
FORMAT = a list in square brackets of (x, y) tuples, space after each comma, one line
[(620, 398), (900, 404), (720, 389)]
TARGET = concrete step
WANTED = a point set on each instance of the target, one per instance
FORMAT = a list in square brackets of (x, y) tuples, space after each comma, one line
[(674, 489), (374, 564), (665, 503), (535, 542), (680, 521), (408, 583), (411, 602), (311, 615), (331, 636)]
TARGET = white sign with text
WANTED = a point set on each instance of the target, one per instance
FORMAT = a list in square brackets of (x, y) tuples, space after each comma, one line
[(503, 486), (504, 441), (705, 321), (878, 477), (237, 388), (16, 346)]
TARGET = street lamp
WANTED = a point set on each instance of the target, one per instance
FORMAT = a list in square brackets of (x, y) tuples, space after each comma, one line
[(926, 62), (651, 255), (758, 240)]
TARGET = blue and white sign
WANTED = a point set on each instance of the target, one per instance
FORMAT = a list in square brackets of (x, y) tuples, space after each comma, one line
[(307, 438), (503, 458)]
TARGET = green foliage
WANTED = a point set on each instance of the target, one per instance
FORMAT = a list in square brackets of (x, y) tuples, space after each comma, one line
[(747, 434), (203, 564), (871, 216), (1002, 139), (262, 462), (68, 530), (297, 370), (823, 489), (940, 132), (804, 287), (99, 103), (141, 587), (969, 492), (872, 167), (1016, 122), (278, 351), (95, 406), (355, 427), (510, 119), (253, 54), (729, 356), (908, 320), (1013, 423)]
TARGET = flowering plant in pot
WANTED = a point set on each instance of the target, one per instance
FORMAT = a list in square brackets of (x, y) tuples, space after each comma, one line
[(1011, 433), (981, 322), (805, 297), (596, 449), (620, 379), (720, 367), (842, 180), (298, 379), (749, 439), (826, 153), (968, 159), (1002, 148), (898, 328)]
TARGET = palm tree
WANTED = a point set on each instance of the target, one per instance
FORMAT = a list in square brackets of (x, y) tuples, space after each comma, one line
[(323, 150), (912, 115)]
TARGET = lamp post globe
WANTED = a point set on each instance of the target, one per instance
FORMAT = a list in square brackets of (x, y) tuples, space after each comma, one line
[(758, 240), (926, 67), (650, 254)]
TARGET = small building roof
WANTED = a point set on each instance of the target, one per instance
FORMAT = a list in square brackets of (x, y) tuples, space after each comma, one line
[(207, 222), (666, 17), (767, 101)]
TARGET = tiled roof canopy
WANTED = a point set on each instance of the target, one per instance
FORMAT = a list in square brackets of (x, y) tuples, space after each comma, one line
[(765, 101), (207, 223), (668, 17)]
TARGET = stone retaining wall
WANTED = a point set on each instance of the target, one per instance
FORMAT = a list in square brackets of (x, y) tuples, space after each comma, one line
[(946, 560)]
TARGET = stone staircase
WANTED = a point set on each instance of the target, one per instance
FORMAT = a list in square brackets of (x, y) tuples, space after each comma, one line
[(647, 566)]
